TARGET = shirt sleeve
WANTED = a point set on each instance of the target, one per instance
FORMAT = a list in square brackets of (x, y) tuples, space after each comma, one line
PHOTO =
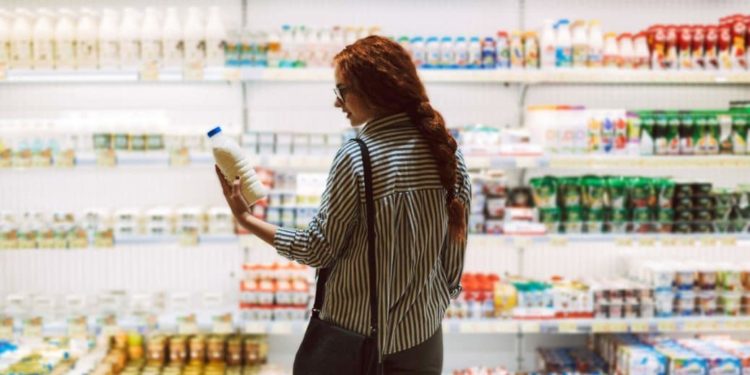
[(331, 229), (453, 254)]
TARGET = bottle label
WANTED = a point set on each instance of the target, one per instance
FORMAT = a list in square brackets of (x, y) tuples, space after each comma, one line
[(215, 52), (172, 51), (108, 52), (43, 53), (21, 52), (580, 55), (129, 52), (65, 53), (150, 50), (194, 51), (563, 56), (86, 53), (449, 57)]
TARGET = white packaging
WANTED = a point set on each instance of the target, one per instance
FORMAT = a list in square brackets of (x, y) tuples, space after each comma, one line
[(4, 38), (151, 35), (109, 40), (43, 39), (419, 51), (563, 45), (216, 36), (130, 39), (86, 40), (171, 39), (596, 44), (20, 40), (433, 52), (475, 52), (447, 52), (627, 51), (611, 51), (233, 163), (193, 36), (547, 45), (580, 44)]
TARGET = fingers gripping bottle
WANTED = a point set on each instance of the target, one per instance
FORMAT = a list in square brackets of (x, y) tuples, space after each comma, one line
[(233, 163)]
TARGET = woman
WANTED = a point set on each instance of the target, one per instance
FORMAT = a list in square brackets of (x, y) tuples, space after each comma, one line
[(422, 195)]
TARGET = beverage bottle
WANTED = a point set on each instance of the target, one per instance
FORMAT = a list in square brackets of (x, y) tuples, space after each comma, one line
[(86, 44), (130, 39), (171, 39), (20, 39), (698, 49), (724, 47), (215, 37), (487, 53), (641, 58), (447, 53), (531, 50), (418, 51), (596, 45), (580, 44), (324, 53), (711, 56), (433, 52), (547, 45), (297, 55), (4, 39), (684, 42), (627, 51), (43, 38), (563, 45), (314, 47), (611, 51), (274, 50), (670, 57), (151, 36), (516, 50), (233, 163), (194, 39), (109, 40), (461, 53), (502, 50), (659, 47)]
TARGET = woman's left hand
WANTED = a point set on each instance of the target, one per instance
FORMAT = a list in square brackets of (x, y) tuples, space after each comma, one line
[(233, 195)]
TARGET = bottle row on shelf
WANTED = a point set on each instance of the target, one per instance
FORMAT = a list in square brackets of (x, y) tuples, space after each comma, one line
[(576, 130), (605, 204), (99, 227)]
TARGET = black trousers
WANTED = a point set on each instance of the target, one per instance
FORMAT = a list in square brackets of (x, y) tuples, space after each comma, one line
[(423, 359)]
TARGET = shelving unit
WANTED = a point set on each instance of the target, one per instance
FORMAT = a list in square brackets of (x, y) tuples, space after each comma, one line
[(286, 100)]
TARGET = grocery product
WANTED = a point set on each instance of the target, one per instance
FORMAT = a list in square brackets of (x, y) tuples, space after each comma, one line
[(275, 292), (234, 164)]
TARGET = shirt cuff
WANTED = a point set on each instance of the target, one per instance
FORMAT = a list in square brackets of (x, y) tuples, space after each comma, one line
[(283, 240)]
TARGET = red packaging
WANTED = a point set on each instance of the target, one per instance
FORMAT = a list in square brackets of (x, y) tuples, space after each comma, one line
[(623, 60), (724, 47), (699, 47), (658, 37), (670, 57), (739, 38), (712, 44), (640, 60), (684, 44)]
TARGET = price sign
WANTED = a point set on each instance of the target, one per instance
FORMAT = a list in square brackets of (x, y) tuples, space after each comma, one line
[(728, 241), (666, 326), (222, 324), (187, 325), (255, 328), (708, 241), (639, 327), (189, 238), (106, 158), (530, 327), (193, 72), (150, 71), (558, 240), (567, 327), (646, 242), (232, 75), (6, 328), (468, 327), (623, 241), (281, 328)]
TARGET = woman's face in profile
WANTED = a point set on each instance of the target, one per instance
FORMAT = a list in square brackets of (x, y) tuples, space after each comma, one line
[(353, 105)]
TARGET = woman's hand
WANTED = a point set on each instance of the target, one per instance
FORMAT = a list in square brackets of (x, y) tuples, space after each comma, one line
[(233, 195)]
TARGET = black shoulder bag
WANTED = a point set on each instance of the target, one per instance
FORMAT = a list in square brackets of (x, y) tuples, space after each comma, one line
[(327, 349)]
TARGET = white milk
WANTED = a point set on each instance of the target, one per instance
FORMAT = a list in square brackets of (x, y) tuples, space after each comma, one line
[(232, 162)]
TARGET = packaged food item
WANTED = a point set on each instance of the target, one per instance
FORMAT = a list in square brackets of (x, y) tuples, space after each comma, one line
[(712, 47), (531, 50), (740, 132), (698, 47), (516, 50), (687, 133), (502, 51), (611, 51), (739, 41), (626, 47), (724, 50), (647, 134), (671, 57), (544, 191), (684, 43), (673, 134), (707, 303), (569, 192)]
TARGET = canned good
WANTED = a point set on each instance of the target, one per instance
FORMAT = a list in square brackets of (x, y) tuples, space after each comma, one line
[(682, 227), (702, 188), (704, 202)]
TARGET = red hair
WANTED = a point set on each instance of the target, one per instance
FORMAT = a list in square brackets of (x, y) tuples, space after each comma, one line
[(382, 72)]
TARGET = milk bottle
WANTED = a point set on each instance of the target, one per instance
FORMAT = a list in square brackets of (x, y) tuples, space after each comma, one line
[(43, 37), (20, 40), (130, 39), (563, 45), (216, 36), (233, 163), (109, 40), (194, 35), (171, 39), (65, 50), (86, 34), (4, 39), (547, 45), (151, 37)]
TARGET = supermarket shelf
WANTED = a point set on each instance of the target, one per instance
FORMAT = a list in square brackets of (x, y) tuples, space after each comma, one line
[(550, 326), (607, 162), (222, 74), (643, 240)]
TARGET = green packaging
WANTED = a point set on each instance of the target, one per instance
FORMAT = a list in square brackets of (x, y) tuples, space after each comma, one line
[(673, 134), (740, 130), (544, 191), (569, 192), (617, 189), (665, 190), (594, 192)]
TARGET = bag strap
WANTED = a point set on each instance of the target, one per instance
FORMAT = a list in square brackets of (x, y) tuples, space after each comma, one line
[(371, 259)]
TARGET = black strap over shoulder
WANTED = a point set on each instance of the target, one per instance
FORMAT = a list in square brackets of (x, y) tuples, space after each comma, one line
[(371, 258)]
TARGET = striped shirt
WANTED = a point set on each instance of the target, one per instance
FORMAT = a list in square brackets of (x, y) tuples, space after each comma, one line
[(418, 267)]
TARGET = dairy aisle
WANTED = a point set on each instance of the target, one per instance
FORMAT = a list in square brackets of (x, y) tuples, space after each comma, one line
[(607, 143)]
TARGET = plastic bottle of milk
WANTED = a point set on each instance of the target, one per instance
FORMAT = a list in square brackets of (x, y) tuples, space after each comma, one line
[(596, 44), (171, 39), (193, 35), (563, 45), (151, 35), (418, 51), (547, 45), (475, 53), (65, 50), (233, 163), (216, 36), (43, 40), (86, 34), (299, 49), (4, 39), (130, 39), (611, 50), (287, 39), (433, 52), (20, 42), (580, 44), (109, 40), (461, 52), (447, 53)]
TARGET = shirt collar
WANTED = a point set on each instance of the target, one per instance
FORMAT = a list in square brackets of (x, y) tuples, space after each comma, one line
[(384, 122)]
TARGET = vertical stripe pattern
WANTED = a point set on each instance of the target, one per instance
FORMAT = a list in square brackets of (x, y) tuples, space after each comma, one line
[(419, 267)]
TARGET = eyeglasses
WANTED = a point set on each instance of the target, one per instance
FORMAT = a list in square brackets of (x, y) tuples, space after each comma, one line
[(339, 92)]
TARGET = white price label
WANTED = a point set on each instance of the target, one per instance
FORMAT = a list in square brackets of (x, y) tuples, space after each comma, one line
[(187, 325)]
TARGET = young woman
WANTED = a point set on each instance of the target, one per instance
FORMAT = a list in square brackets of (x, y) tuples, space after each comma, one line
[(422, 194)]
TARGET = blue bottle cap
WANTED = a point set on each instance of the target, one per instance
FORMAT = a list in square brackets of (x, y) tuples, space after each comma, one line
[(461, 39), (447, 39), (214, 131), (474, 38)]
